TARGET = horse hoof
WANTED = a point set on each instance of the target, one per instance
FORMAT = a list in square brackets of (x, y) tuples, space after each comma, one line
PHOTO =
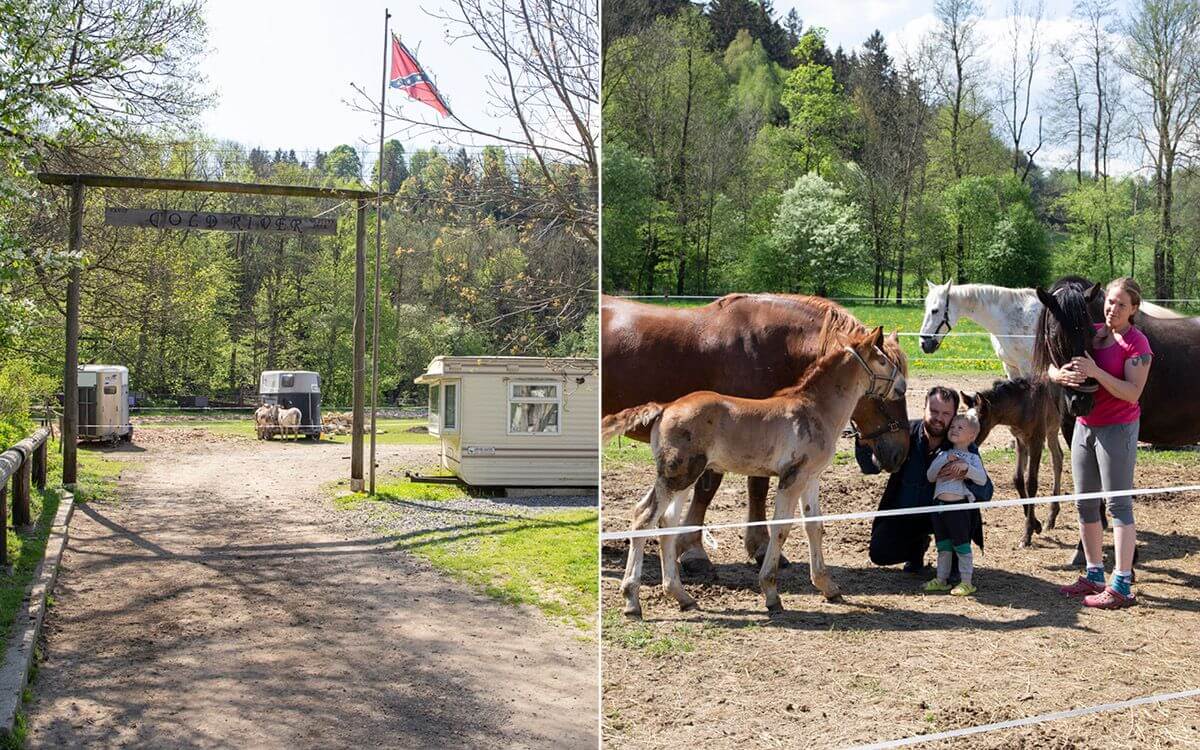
[(783, 561), (836, 596), (691, 606), (1078, 559), (697, 566), (632, 613), (1026, 542), (775, 609)]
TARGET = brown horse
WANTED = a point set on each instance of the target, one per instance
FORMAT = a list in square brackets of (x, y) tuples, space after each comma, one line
[(748, 345), (1030, 409), (791, 435)]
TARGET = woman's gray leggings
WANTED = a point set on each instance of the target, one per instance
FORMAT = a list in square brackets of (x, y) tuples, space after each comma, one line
[(1102, 459)]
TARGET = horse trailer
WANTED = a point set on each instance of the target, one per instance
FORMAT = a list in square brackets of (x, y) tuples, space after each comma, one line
[(516, 421), (104, 403), (294, 388)]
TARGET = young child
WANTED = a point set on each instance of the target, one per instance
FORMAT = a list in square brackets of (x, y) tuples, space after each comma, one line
[(952, 530)]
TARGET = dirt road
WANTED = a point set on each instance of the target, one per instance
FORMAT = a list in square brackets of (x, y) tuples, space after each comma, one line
[(222, 603)]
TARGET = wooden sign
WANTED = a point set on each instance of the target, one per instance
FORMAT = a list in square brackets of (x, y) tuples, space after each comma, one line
[(159, 219)]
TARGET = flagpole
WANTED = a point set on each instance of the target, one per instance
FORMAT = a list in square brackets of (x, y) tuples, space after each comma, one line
[(378, 244)]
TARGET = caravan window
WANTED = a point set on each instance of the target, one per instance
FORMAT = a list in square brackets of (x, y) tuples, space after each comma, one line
[(289, 381), (450, 418), (435, 408), (534, 408)]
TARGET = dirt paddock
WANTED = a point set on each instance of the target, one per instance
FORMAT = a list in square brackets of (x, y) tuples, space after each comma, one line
[(889, 661)]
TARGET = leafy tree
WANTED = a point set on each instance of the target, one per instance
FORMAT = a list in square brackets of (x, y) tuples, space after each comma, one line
[(343, 163), (628, 203), (395, 170), (817, 237), (816, 108)]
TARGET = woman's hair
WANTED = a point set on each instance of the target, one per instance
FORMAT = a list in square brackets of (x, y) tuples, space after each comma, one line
[(1129, 286)]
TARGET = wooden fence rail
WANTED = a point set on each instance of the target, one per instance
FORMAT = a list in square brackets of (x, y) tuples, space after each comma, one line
[(25, 464)]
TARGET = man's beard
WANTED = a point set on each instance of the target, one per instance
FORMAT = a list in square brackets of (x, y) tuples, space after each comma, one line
[(935, 430)]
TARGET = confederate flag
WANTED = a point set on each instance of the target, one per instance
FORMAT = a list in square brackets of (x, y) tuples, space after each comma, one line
[(407, 75)]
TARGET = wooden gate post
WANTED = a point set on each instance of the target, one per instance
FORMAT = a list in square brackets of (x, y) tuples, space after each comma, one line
[(70, 423), (21, 489), (39, 465), (360, 346)]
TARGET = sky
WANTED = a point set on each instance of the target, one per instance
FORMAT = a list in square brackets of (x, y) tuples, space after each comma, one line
[(283, 71)]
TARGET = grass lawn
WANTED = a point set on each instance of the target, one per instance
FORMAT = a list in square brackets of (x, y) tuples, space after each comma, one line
[(547, 561), (392, 431)]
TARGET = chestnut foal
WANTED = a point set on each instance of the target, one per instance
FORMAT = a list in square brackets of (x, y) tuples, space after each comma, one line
[(791, 435)]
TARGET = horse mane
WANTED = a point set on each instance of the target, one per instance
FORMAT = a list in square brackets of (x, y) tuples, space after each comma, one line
[(1016, 389), (1068, 291)]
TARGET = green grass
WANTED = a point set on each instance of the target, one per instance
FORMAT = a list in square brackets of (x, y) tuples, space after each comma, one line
[(548, 562), (637, 636), (392, 431), (957, 354)]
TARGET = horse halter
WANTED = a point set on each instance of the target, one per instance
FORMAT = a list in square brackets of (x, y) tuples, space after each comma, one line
[(887, 380), (1052, 352), (945, 321)]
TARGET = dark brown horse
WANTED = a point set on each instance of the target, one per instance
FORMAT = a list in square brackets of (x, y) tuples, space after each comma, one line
[(1030, 409), (748, 345), (1170, 402)]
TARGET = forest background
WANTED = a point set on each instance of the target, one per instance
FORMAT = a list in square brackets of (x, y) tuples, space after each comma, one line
[(485, 250), (741, 154)]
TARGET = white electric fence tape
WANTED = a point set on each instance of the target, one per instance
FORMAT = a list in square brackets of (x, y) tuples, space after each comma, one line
[(1028, 721), (675, 530)]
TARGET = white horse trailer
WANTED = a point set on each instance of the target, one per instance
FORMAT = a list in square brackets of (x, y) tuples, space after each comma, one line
[(294, 388), (516, 421), (104, 403)]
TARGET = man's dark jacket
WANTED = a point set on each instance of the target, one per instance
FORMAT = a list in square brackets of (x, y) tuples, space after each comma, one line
[(907, 537)]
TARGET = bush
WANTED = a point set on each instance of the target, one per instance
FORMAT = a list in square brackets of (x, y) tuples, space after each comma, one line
[(20, 389)]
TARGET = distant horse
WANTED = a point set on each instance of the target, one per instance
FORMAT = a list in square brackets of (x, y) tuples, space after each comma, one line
[(1030, 409), (791, 435), (748, 345), (265, 417), (289, 422)]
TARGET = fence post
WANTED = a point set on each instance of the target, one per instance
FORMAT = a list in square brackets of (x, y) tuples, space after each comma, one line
[(20, 513), (39, 465)]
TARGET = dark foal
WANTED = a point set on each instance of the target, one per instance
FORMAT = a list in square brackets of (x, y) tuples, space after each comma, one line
[(1030, 409)]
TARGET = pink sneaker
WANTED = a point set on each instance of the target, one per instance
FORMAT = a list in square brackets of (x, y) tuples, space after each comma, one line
[(1082, 587), (1109, 598)]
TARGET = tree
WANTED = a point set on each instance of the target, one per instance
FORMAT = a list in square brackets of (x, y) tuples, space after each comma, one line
[(1163, 58), (1016, 88), (395, 170), (343, 163), (817, 111), (953, 52), (817, 237)]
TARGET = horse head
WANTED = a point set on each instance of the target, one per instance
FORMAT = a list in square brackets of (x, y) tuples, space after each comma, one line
[(1064, 331), (939, 318), (882, 424)]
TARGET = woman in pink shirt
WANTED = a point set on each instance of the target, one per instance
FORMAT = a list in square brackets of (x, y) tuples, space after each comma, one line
[(1104, 445)]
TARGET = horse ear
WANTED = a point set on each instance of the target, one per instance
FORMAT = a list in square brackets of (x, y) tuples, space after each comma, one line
[(1094, 293), (876, 337), (1047, 299), (930, 284), (967, 399)]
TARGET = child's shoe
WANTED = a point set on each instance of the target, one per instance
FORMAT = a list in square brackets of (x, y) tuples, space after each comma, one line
[(1081, 587), (936, 587), (963, 589)]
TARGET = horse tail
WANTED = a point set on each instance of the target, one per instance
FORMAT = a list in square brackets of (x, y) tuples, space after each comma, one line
[(629, 419)]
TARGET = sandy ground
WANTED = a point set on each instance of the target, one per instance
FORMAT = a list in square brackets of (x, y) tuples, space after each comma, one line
[(888, 661), (222, 602)]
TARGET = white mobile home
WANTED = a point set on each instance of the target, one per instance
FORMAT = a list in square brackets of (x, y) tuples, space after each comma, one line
[(104, 403), (516, 421)]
